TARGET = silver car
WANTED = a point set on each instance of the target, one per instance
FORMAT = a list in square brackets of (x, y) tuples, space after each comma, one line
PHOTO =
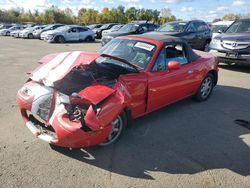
[(6, 32), (69, 33), (28, 32)]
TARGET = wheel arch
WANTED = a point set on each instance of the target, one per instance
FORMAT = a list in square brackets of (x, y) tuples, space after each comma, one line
[(215, 75)]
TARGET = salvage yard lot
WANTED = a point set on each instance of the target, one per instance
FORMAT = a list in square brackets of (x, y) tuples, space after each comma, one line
[(187, 144)]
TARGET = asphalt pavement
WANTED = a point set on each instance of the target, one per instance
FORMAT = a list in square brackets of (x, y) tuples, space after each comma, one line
[(187, 144)]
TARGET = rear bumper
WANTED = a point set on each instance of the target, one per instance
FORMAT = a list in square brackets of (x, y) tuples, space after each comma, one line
[(243, 59)]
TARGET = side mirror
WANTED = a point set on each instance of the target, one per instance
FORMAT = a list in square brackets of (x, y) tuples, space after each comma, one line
[(221, 31), (174, 65)]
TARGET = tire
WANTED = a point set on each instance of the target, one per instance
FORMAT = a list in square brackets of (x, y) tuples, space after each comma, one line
[(119, 125), (60, 39), (206, 46), (88, 39), (30, 36), (205, 88), (7, 33)]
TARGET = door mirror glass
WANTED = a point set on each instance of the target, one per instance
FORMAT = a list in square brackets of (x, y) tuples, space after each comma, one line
[(174, 65)]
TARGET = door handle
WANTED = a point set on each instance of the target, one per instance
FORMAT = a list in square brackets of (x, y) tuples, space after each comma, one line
[(190, 72)]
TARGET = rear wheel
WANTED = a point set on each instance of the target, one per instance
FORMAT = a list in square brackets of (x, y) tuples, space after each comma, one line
[(89, 39), (206, 88), (60, 39), (118, 127)]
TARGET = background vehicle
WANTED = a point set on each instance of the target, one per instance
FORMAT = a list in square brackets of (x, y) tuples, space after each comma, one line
[(6, 32), (128, 29), (37, 33), (98, 33), (28, 32), (114, 28), (233, 46), (196, 32), (69, 33), (5, 26), (86, 99), (219, 27)]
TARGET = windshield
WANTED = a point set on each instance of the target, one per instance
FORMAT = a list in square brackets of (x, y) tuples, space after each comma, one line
[(129, 28), (104, 26), (135, 52), (115, 27), (239, 27), (216, 28), (48, 27), (63, 28), (173, 27)]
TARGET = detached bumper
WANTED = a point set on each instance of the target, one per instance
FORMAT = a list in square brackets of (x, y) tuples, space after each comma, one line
[(231, 57)]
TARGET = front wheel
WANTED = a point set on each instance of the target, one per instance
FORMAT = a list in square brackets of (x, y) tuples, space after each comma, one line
[(118, 127), (60, 39), (30, 36), (206, 88)]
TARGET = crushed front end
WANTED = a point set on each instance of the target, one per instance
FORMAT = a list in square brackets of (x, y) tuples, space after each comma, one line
[(69, 121)]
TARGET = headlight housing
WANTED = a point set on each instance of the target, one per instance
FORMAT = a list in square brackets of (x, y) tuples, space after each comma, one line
[(216, 41), (50, 37)]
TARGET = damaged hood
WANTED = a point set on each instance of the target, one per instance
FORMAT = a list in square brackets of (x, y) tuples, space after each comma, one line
[(55, 66)]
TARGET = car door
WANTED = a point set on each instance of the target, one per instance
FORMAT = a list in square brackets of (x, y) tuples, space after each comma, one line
[(73, 34), (167, 86), (83, 33), (201, 35), (191, 36)]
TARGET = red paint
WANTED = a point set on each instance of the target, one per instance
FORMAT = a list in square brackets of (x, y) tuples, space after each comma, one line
[(141, 93), (96, 93)]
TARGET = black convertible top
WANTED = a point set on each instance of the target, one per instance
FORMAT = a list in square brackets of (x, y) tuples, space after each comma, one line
[(192, 56)]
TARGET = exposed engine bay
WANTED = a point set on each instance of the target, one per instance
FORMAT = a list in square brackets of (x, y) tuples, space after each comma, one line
[(83, 76)]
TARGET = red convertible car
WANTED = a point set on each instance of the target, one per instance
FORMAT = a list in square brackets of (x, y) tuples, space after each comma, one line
[(79, 99)]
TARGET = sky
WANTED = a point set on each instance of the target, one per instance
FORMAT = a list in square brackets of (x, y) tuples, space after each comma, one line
[(183, 9)]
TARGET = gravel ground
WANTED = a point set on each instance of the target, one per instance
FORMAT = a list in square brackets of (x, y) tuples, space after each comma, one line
[(187, 144)]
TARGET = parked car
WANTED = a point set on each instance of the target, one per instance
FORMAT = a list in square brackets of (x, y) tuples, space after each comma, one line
[(80, 99), (98, 33), (196, 32), (94, 26), (129, 29), (112, 29), (69, 33), (233, 46), (15, 33), (219, 27), (28, 32), (6, 32), (5, 26), (37, 33)]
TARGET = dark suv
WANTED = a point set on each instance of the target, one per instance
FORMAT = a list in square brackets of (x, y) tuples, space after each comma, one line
[(98, 33), (196, 32), (128, 29), (233, 46)]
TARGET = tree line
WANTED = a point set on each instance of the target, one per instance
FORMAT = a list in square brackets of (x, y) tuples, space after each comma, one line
[(91, 16), (84, 16)]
